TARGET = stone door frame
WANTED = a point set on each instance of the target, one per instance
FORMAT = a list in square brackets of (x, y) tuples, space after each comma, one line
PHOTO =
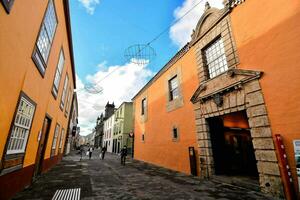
[(237, 90)]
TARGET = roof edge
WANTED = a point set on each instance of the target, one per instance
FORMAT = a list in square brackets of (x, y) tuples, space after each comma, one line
[(70, 40), (174, 59)]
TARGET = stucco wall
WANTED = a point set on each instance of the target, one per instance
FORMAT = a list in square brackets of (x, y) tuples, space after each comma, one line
[(267, 37), (158, 147)]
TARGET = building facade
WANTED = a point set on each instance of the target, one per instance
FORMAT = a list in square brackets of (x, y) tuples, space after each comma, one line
[(108, 130), (36, 89), (163, 125), (122, 127), (99, 131), (72, 128), (244, 97)]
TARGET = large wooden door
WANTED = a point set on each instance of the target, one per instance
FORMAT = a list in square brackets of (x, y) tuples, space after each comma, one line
[(43, 138)]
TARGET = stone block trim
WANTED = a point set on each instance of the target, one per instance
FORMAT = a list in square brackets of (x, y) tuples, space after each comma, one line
[(249, 97)]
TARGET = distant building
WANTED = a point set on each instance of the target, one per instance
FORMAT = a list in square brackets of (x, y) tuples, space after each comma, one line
[(90, 138), (72, 128), (99, 131), (123, 125), (108, 132)]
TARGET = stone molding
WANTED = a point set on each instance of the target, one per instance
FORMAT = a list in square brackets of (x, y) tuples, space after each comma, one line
[(176, 103), (247, 96)]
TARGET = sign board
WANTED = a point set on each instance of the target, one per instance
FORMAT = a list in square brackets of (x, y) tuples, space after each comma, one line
[(297, 159)]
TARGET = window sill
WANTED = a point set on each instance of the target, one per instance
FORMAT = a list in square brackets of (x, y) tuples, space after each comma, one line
[(11, 169), (175, 104)]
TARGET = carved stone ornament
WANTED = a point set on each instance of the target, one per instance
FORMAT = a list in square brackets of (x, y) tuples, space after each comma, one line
[(218, 99)]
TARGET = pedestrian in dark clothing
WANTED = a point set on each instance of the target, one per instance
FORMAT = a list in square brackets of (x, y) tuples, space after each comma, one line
[(103, 150), (81, 151), (123, 155), (90, 152)]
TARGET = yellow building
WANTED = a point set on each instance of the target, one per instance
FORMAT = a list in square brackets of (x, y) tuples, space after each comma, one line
[(36, 89)]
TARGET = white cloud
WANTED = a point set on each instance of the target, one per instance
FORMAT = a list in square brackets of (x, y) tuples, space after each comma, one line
[(121, 85), (89, 5), (180, 32)]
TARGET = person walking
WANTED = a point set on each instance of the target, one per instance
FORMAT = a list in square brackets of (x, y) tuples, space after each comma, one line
[(81, 151), (123, 155), (103, 150), (90, 152)]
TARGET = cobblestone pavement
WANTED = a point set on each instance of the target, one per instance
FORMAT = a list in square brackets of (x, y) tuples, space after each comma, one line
[(107, 179)]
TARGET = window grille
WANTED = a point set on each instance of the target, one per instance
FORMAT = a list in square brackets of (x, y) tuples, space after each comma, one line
[(45, 38), (63, 96), (173, 88), (21, 127), (68, 101), (55, 136), (216, 58), (58, 72), (61, 137)]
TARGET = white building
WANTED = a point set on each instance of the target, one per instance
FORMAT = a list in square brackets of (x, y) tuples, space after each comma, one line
[(108, 132)]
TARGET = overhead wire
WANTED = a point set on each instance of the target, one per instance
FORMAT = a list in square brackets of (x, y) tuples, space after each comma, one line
[(153, 40)]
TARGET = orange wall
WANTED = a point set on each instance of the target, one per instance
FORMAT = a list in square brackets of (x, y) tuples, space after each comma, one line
[(18, 72), (158, 147), (267, 34)]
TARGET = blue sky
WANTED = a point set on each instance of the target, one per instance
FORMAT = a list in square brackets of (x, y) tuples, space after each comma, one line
[(117, 24), (103, 29)]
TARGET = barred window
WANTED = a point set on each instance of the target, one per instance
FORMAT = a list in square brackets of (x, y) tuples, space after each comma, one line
[(62, 135), (173, 88), (58, 73), (215, 58), (45, 38), (21, 127), (68, 102), (55, 136), (63, 96)]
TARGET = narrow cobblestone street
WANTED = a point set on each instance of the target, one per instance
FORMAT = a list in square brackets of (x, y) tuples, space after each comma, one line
[(107, 179)]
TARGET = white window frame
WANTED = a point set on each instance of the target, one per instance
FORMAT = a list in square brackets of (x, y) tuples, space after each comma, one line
[(58, 73), (55, 136), (68, 101), (23, 120), (61, 138), (45, 38), (173, 86), (63, 95), (215, 58)]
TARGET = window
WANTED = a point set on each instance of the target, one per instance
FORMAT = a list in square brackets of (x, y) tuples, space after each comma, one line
[(7, 5), (175, 133), (143, 106), (55, 138), (63, 96), (68, 102), (173, 88), (143, 137), (45, 38), (215, 58), (58, 73), (62, 135), (21, 127)]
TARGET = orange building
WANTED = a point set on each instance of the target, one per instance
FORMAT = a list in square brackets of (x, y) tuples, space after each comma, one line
[(36, 89), (164, 124), (241, 70)]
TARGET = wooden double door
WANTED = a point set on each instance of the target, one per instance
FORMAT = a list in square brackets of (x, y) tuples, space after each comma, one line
[(43, 139)]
